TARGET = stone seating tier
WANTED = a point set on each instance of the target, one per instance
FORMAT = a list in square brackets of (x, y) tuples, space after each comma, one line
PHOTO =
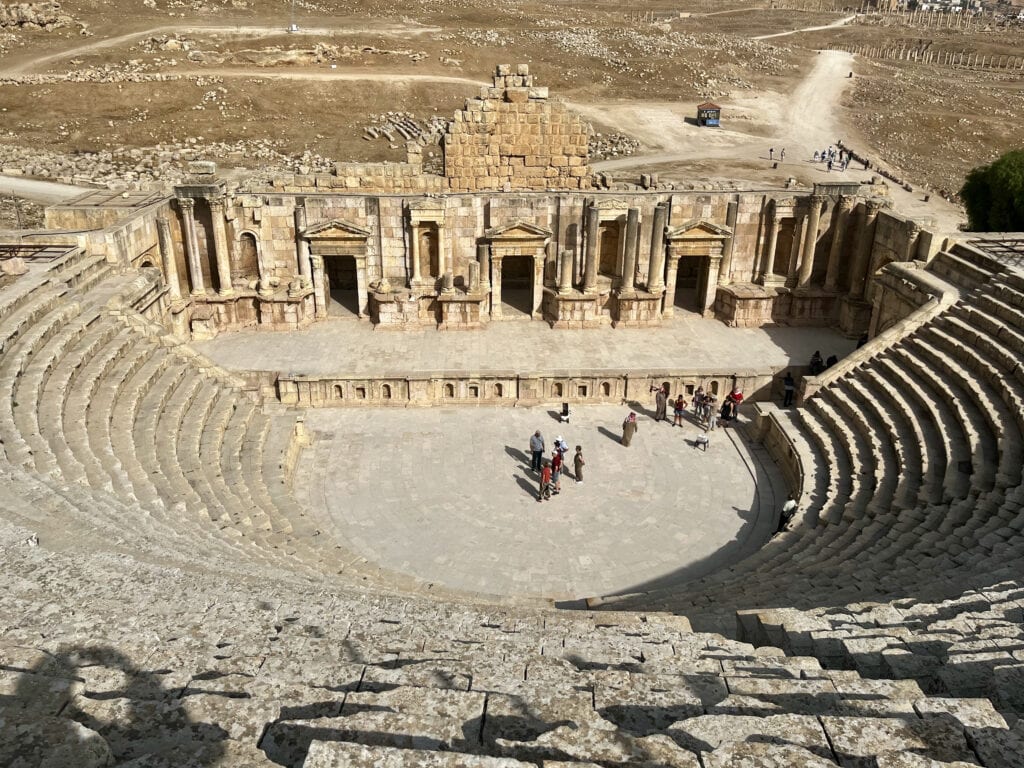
[(207, 670)]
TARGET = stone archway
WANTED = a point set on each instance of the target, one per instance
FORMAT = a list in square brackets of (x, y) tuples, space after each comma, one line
[(695, 239), (514, 241), (331, 240)]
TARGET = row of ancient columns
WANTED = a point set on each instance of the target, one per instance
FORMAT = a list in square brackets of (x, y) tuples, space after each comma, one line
[(806, 233), (220, 246), (656, 271)]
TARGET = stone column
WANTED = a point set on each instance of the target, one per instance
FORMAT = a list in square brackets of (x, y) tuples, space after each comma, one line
[(195, 269), (730, 220), (865, 244), (474, 276), (483, 255), (442, 253), (656, 267), (768, 259), (810, 240), (496, 285), (302, 246), (220, 241), (669, 308), (590, 269), (565, 276), (835, 252), (913, 231), (711, 285), (629, 251), (320, 297), (538, 281), (362, 287), (414, 250), (163, 232), (799, 235)]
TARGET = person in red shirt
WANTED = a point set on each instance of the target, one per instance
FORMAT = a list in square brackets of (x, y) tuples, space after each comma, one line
[(545, 482), (556, 470)]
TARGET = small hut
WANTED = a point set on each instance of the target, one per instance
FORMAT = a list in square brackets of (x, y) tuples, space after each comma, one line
[(709, 114)]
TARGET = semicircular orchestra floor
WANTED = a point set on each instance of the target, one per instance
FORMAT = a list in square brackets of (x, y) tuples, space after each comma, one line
[(447, 495)]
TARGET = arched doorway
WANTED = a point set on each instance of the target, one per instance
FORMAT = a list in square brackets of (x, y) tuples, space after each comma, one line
[(517, 286), (340, 274), (246, 263)]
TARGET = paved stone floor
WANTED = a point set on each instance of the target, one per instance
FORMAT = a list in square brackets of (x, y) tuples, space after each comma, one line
[(688, 343), (446, 494)]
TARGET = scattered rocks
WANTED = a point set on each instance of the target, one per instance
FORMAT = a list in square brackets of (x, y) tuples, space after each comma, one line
[(604, 146)]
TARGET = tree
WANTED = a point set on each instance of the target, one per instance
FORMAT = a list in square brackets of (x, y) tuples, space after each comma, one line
[(994, 195)]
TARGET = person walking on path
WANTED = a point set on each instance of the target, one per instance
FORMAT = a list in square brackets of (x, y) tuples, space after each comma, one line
[(782, 154), (556, 471), (788, 388), (678, 410), (661, 403), (536, 451), (544, 491), (577, 464), (628, 429), (771, 153)]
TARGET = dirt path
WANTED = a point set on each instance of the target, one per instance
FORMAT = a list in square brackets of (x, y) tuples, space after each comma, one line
[(836, 23), (379, 77), (36, 63)]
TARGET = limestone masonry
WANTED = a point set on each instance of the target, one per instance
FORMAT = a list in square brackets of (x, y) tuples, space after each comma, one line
[(170, 597)]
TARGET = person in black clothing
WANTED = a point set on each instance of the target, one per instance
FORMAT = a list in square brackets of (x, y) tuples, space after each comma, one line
[(788, 388)]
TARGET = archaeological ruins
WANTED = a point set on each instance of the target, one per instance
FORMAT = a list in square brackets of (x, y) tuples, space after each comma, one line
[(194, 570)]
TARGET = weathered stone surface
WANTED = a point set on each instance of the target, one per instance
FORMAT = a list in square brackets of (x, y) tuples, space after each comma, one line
[(709, 732), (50, 742), (336, 754), (856, 739), (759, 755)]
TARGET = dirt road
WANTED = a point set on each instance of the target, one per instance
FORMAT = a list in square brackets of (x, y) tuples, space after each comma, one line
[(836, 23), (47, 192)]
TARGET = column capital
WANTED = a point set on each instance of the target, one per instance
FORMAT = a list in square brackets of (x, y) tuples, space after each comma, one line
[(847, 203), (186, 203), (816, 200), (215, 203), (874, 205)]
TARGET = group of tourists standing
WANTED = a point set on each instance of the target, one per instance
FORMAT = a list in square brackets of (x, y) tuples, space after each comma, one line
[(550, 470), (705, 408)]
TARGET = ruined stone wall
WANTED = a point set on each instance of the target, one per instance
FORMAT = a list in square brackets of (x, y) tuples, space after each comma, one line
[(514, 138)]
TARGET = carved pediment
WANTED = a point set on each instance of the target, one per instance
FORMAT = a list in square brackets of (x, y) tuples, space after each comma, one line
[(335, 229), (697, 229), (517, 230)]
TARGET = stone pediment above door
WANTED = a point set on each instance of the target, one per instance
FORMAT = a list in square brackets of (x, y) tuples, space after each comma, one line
[(697, 229), (335, 229), (336, 237), (518, 230)]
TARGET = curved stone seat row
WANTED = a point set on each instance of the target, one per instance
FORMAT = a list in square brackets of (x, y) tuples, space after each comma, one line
[(913, 468), (135, 663)]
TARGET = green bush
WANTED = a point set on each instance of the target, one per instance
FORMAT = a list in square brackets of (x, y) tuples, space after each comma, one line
[(994, 195)]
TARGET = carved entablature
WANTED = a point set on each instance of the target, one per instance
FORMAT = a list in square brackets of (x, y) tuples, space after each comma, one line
[(517, 230), (336, 237), (697, 237), (611, 210), (426, 210)]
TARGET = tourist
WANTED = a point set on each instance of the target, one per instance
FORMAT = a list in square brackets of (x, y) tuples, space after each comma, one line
[(536, 451), (817, 365), (832, 360), (710, 403), (556, 470), (660, 402), (782, 154), (628, 429), (788, 511), (578, 464), (712, 421), (561, 446), (678, 409), (815, 155), (728, 411), (788, 389), (544, 492), (771, 153), (702, 441), (698, 399), (829, 167)]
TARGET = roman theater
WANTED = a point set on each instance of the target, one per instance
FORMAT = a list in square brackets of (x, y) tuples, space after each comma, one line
[(266, 494)]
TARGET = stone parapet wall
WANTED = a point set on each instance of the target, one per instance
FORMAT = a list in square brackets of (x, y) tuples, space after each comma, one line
[(501, 388)]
